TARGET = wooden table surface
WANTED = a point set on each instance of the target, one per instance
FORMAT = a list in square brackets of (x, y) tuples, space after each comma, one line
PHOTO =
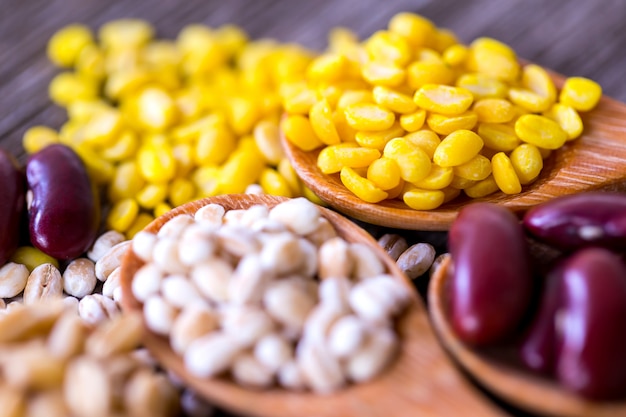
[(573, 37)]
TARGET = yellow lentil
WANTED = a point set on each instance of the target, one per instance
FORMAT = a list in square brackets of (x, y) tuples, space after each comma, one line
[(32, 257), (568, 119), (444, 125), (369, 117), (126, 183), (413, 162), (540, 131), (332, 158), (499, 137), (122, 215), (527, 162), (384, 173), (361, 187), (413, 121), (423, 199), (580, 93), (443, 99), (493, 110), (427, 140), (482, 86), (161, 209), (65, 46), (482, 188), (457, 148), (437, 179), (393, 100), (321, 118), (181, 191), (141, 221), (273, 183), (504, 174), (38, 137), (378, 140), (151, 195), (476, 169), (298, 130)]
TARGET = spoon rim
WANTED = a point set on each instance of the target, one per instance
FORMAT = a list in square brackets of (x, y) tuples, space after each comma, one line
[(508, 381)]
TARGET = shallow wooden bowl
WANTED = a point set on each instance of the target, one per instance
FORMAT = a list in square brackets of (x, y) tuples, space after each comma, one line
[(422, 380), (496, 369), (596, 160)]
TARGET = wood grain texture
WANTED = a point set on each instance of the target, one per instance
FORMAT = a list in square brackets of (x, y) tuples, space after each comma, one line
[(422, 380), (498, 372)]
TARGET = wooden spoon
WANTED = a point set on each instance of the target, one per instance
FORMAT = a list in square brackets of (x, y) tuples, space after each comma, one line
[(422, 380), (498, 371), (596, 160)]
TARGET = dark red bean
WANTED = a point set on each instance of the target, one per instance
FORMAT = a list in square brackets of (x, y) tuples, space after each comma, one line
[(592, 325), (578, 220), (538, 346), (64, 214), (11, 204), (491, 286)]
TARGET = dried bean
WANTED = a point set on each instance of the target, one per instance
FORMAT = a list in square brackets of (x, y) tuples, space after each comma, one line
[(64, 214), (578, 220), (247, 370), (273, 351), (159, 315), (393, 244), (416, 260), (192, 323), (488, 298), (335, 259), (373, 356), (211, 354)]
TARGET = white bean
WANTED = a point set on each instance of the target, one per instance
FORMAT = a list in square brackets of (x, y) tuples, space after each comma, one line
[(146, 282), (159, 315), (247, 325), (288, 303), (378, 299), (178, 291), (282, 254), (367, 264), (165, 256), (193, 322), (211, 354), (346, 336), (212, 278), (211, 214), (322, 372), (370, 360), (248, 281), (290, 376), (273, 351), (196, 244), (299, 214), (247, 370), (143, 245), (334, 292), (175, 226), (335, 259)]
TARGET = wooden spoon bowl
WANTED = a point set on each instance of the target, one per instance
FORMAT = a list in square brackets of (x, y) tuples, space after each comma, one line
[(422, 380), (595, 160), (498, 371)]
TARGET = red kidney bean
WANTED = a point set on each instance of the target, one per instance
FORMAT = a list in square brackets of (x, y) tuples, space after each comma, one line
[(491, 284), (64, 214), (592, 327), (578, 220), (538, 346), (11, 204)]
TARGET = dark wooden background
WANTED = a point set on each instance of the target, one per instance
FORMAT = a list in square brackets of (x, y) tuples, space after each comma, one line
[(573, 37)]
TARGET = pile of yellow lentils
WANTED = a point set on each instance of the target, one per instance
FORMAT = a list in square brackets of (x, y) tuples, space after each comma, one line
[(408, 113)]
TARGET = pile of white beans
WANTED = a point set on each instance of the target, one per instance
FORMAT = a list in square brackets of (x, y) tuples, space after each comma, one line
[(269, 296)]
